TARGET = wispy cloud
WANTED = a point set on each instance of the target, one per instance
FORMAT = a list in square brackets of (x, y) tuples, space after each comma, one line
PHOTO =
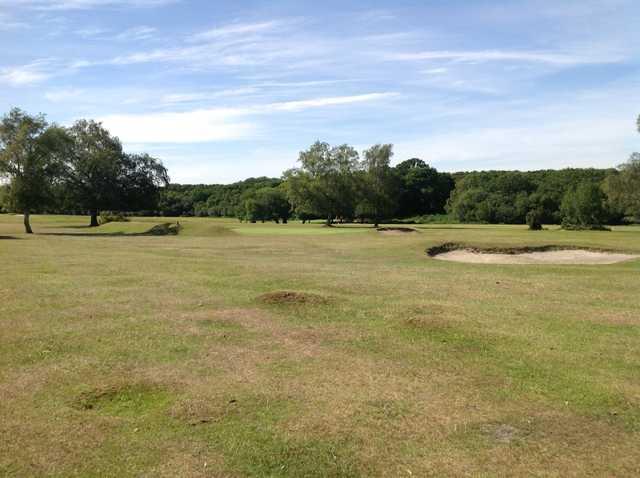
[(82, 4), (235, 29), (9, 23), (502, 55), (138, 33), (91, 32), (332, 101), (25, 75), (174, 98)]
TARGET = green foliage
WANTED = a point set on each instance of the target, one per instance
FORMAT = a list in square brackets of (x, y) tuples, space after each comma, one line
[(378, 185), (5, 203), (31, 157), (623, 188), (99, 175), (216, 200), (507, 196), (324, 184), (423, 190), (266, 204), (583, 207)]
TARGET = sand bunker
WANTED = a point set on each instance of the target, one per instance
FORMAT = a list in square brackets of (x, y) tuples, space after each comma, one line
[(574, 256)]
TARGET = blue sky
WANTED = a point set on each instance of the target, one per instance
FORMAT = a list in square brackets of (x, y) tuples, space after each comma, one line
[(221, 91)]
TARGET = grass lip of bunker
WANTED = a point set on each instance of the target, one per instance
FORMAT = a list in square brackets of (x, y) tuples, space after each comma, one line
[(292, 297), (547, 254), (393, 230)]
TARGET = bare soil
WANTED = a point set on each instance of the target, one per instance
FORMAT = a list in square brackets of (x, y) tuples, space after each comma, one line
[(290, 297)]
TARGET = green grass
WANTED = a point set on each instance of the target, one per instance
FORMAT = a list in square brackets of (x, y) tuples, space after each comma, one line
[(124, 354)]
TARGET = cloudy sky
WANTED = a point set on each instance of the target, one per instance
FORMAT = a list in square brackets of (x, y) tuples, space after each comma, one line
[(223, 90)]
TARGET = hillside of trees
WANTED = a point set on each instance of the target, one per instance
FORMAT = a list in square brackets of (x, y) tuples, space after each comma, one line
[(84, 170)]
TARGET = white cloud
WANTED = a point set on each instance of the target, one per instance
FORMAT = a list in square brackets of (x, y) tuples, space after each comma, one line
[(216, 124), (502, 55), (189, 127)]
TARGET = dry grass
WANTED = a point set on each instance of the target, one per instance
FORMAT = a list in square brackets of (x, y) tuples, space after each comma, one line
[(151, 356)]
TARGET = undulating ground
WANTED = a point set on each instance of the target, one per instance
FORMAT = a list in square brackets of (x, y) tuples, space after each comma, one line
[(124, 354)]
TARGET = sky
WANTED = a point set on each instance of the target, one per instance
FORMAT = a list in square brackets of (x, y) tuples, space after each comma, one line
[(225, 90)]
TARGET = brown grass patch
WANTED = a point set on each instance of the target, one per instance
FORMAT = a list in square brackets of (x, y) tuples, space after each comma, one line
[(291, 297)]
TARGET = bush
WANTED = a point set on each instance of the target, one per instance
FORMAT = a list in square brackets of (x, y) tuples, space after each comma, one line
[(110, 216)]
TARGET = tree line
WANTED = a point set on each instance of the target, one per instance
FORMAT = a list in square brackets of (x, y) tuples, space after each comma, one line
[(79, 169), (84, 170)]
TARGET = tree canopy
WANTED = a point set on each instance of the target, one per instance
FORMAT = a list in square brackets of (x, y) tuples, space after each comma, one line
[(31, 156)]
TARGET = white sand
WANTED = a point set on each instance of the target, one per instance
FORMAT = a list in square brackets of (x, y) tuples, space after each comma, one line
[(546, 257)]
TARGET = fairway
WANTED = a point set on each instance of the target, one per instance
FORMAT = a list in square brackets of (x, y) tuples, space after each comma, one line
[(126, 354)]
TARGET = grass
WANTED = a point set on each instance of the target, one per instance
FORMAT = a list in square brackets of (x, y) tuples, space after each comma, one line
[(123, 354)]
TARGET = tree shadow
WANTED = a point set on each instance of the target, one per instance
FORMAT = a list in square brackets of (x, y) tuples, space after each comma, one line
[(96, 234), (165, 229)]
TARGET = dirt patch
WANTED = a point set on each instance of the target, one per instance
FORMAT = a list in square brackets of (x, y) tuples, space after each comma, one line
[(502, 433), (291, 297), (526, 255), (396, 230)]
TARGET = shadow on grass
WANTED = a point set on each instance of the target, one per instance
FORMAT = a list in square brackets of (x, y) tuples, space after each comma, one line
[(165, 229), (9, 237)]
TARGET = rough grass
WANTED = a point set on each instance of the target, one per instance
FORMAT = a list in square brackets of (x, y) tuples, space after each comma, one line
[(134, 355)]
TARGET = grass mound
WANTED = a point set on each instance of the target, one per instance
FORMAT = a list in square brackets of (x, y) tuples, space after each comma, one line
[(165, 229), (290, 297)]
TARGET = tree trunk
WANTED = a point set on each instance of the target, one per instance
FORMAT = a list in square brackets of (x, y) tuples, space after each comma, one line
[(377, 221), (27, 224), (94, 218), (328, 223)]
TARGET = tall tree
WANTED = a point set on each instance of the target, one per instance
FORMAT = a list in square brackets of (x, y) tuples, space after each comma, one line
[(423, 189), (139, 181), (324, 183), (379, 185), (31, 155), (583, 206), (101, 176), (94, 168)]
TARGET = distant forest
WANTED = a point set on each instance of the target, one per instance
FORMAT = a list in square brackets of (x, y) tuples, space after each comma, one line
[(84, 170)]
